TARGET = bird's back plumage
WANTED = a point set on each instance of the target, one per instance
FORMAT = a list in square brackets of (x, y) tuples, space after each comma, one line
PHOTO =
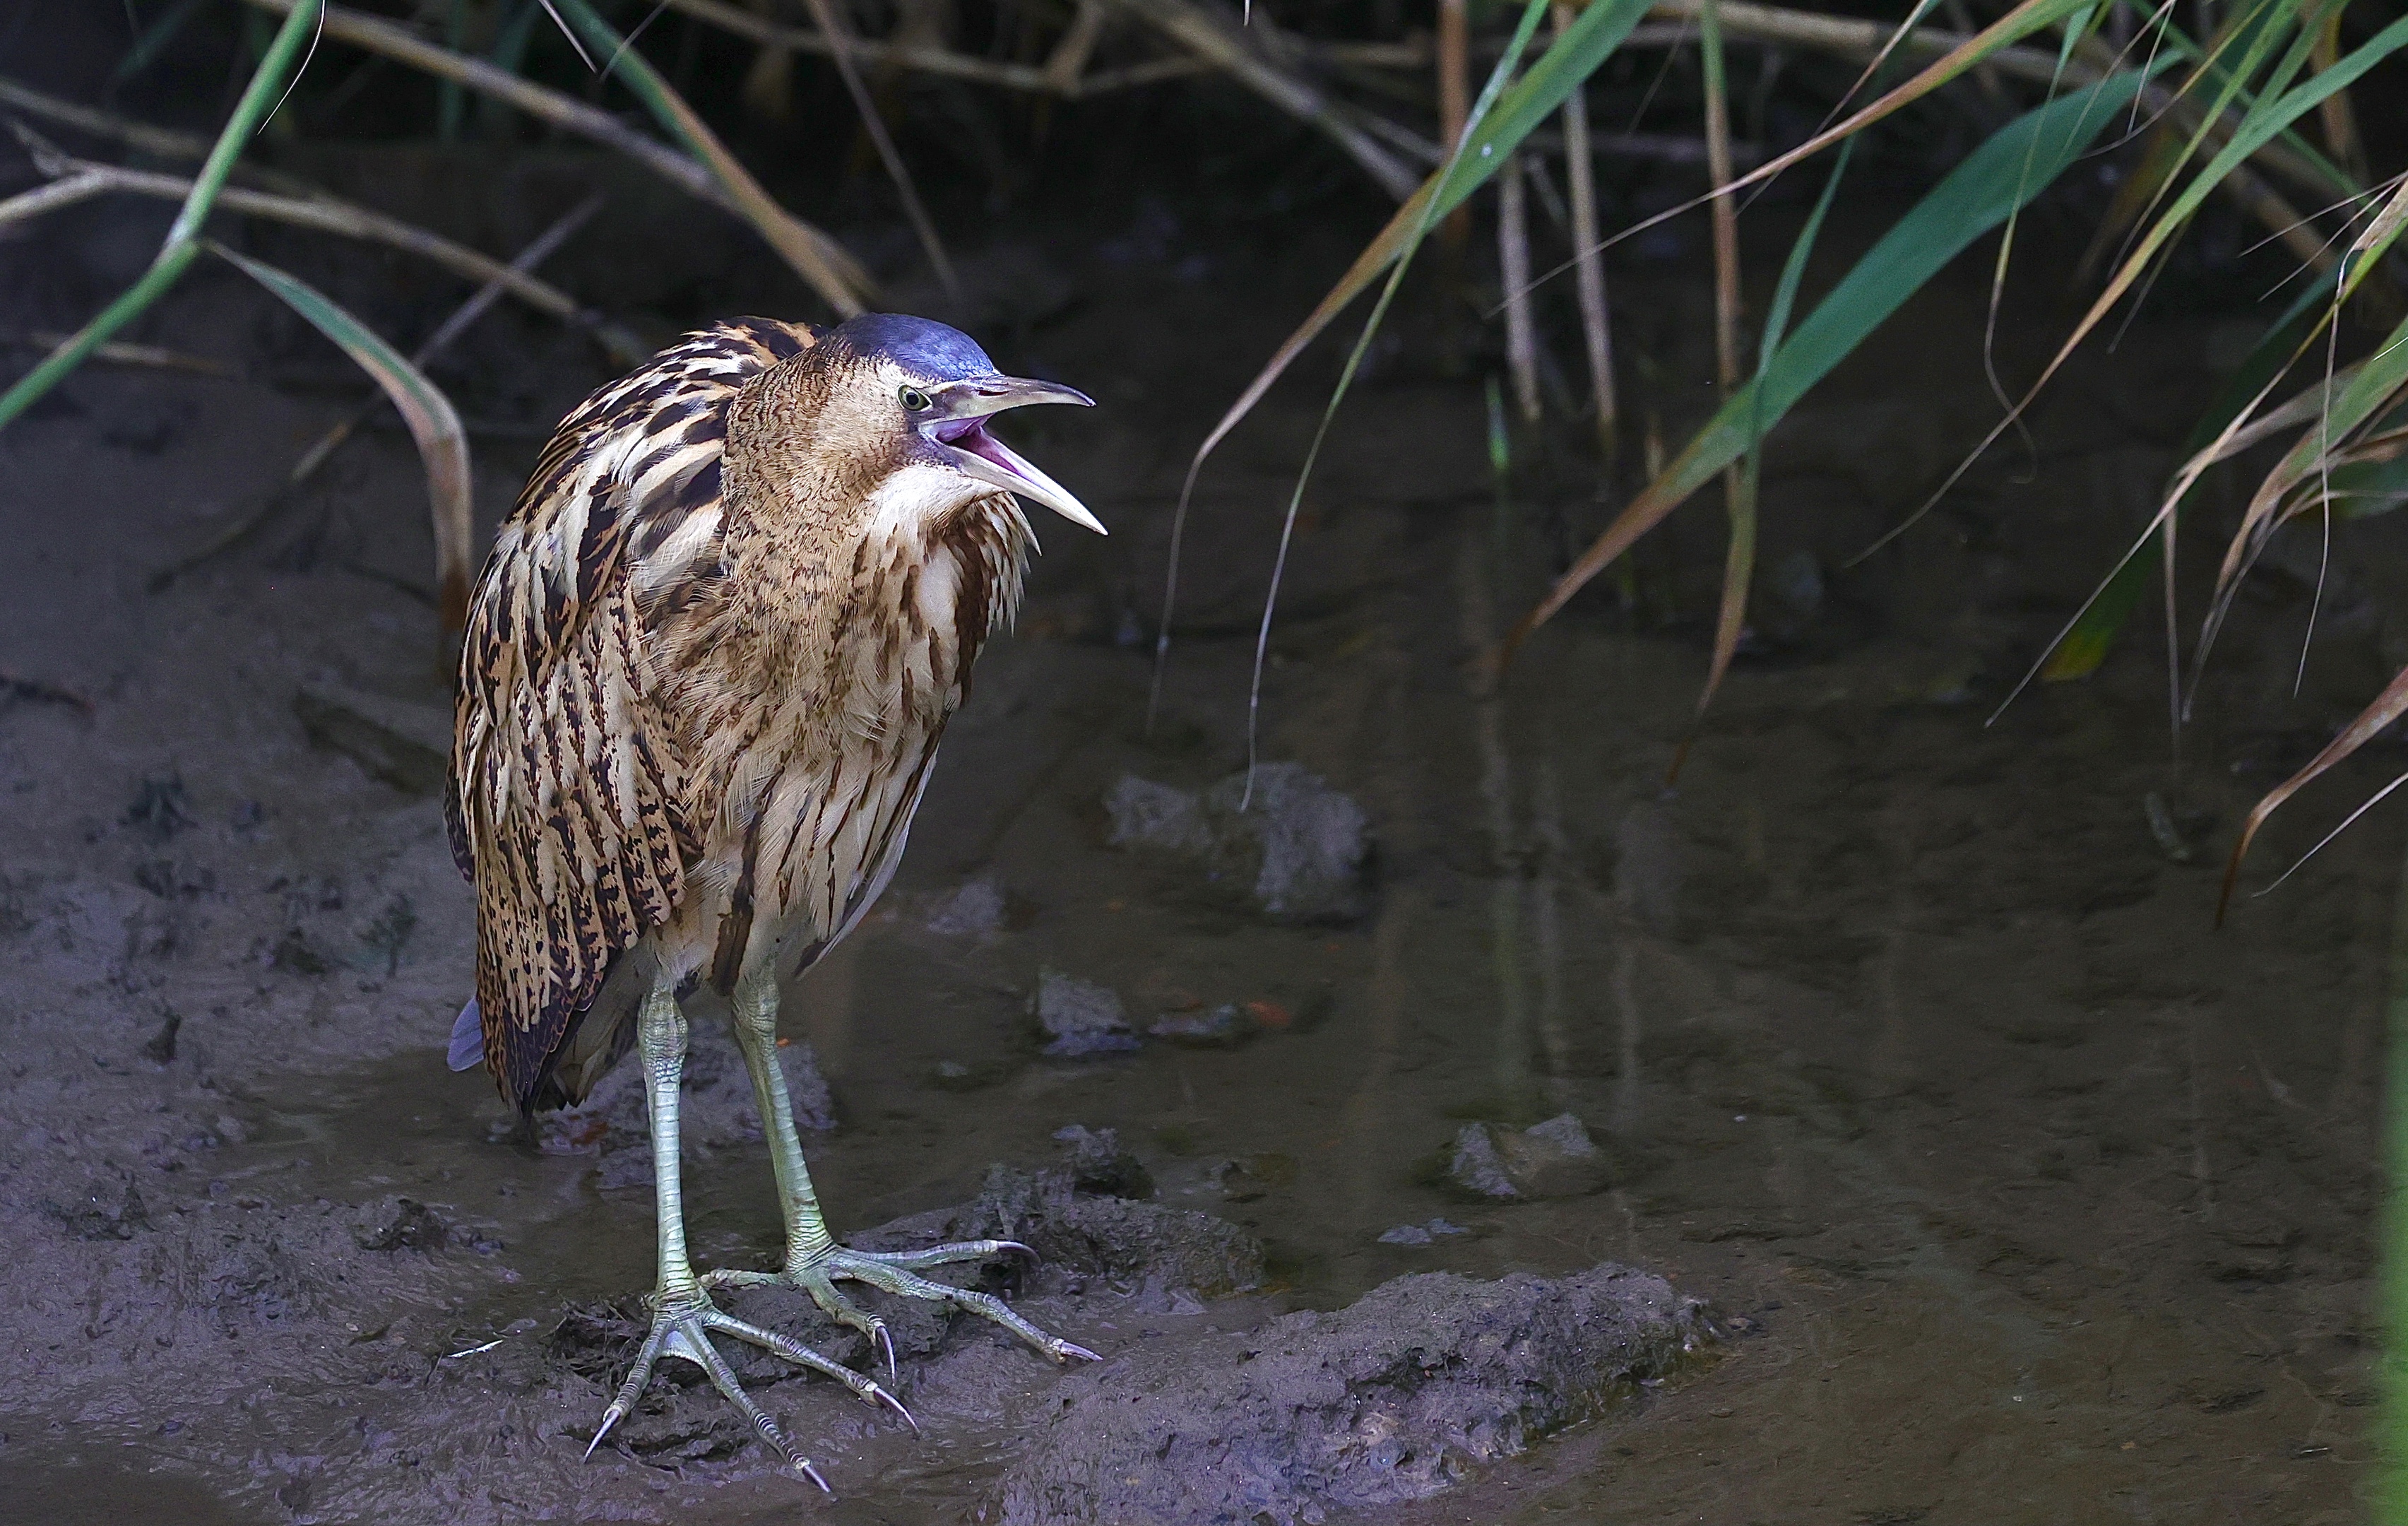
[(682, 738), (565, 805)]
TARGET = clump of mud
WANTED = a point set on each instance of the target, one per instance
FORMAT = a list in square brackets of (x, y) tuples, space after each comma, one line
[(1297, 847), (1395, 1398)]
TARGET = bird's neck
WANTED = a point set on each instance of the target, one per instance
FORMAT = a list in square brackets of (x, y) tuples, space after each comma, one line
[(875, 606)]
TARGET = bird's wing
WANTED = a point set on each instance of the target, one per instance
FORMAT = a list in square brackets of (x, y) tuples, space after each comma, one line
[(565, 802)]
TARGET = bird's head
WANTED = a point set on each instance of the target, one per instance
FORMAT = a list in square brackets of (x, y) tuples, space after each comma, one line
[(905, 403)]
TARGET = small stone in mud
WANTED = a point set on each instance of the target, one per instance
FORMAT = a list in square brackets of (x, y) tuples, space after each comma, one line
[(1298, 845), (1080, 1019), (1311, 840), (160, 1050), (1149, 815), (1248, 1180), (1420, 1234), (953, 1075), (1099, 1166), (1394, 1398), (974, 911), (1552, 1159), (295, 955), (92, 1219), (1223, 1027), (407, 1224), (158, 810), (163, 879)]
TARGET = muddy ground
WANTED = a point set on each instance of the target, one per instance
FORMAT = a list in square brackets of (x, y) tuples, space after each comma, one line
[(2019, 1191)]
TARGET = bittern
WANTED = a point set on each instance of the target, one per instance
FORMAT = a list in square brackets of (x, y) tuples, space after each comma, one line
[(706, 670)]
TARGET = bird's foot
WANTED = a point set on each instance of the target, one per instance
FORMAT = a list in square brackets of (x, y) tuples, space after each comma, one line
[(898, 1272), (682, 1327)]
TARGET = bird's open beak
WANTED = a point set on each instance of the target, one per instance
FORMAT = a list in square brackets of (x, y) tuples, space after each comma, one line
[(956, 425)]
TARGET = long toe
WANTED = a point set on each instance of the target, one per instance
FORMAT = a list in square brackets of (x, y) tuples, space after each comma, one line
[(898, 1272), (684, 1331)]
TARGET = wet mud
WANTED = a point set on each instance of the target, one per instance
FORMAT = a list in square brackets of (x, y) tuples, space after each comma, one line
[(1902, 1043)]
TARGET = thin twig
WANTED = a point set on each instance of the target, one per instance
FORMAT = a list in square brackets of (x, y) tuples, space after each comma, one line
[(154, 357), (167, 144), (872, 122), (182, 244), (803, 246), (1068, 59), (830, 269), (43, 199), (760, 29), (1204, 33), (329, 215), (1597, 323), (1453, 61), (544, 246), (1514, 260)]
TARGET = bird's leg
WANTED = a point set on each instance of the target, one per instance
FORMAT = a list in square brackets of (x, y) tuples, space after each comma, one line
[(756, 1035), (682, 1314), (814, 1261)]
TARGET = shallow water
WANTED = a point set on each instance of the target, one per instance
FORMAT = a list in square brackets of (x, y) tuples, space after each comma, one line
[(2026, 1194), (96, 1490)]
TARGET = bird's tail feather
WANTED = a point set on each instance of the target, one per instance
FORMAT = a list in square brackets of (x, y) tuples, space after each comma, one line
[(467, 1052)]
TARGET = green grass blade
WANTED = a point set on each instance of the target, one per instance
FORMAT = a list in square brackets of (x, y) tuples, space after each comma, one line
[(2014, 165), (259, 97), (1581, 48), (1793, 270), (1574, 55), (1532, 13), (1519, 112), (2255, 131), (2259, 127), (1738, 562), (2363, 489), (153, 40), (2378, 386), (2085, 643), (2367, 249), (2210, 65), (433, 423), (2387, 707), (1739, 482)]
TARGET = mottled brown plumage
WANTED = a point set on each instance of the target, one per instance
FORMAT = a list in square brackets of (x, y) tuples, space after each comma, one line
[(703, 680)]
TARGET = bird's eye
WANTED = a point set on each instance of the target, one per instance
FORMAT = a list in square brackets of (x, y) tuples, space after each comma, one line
[(914, 399)]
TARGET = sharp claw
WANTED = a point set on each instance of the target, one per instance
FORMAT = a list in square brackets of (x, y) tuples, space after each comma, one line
[(1064, 1351), (879, 1395), (813, 1475), (894, 1373), (609, 1418), (1014, 1244)]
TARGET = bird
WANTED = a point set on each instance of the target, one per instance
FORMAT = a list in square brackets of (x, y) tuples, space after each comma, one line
[(706, 669)]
